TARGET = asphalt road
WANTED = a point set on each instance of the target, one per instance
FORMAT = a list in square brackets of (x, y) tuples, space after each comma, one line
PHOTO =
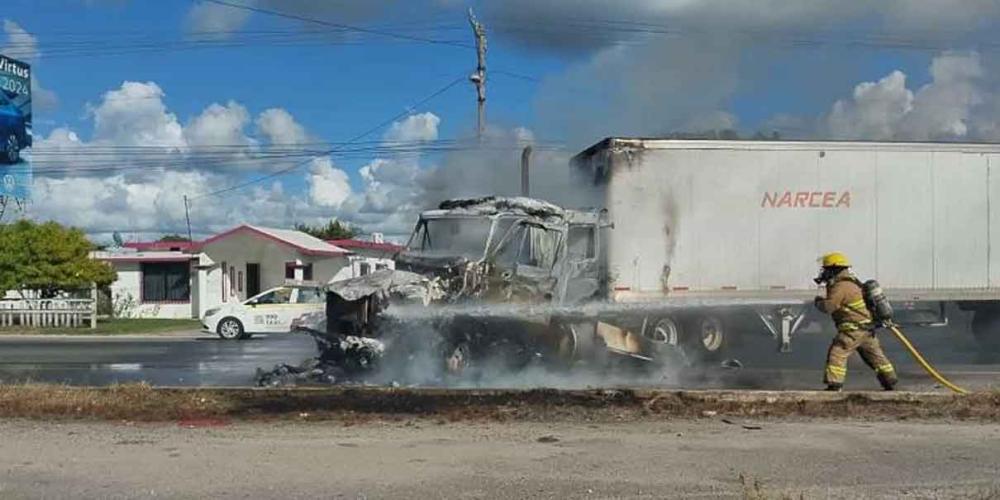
[(190, 360), (194, 359), (705, 458)]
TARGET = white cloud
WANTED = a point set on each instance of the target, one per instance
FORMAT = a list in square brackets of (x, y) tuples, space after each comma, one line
[(873, 111), (950, 107), (24, 46), (42, 99), (114, 203), (943, 108), (144, 192), (418, 127), (20, 44), (115, 181), (219, 125), (135, 115), (212, 20), (280, 127), (329, 186)]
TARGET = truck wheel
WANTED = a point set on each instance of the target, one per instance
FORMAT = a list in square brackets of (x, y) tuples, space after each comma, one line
[(665, 331), (986, 329), (12, 149), (667, 334), (578, 343), (458, 358), (230, 329), (707, 336)]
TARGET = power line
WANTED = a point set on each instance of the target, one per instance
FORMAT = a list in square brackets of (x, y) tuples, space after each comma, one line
[(358, 29), (110, 164), (331, 151)]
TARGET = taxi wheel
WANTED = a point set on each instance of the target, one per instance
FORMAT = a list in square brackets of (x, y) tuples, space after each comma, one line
[(231, 329)]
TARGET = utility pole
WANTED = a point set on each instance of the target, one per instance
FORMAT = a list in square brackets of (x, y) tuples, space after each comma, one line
[(479, 77), (187, 215)]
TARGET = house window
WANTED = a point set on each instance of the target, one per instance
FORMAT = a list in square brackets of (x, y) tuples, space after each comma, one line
[(307, 270), (232, 280), (364, 269), (239, 281), (381, 266), (225, 298), (166, 282)]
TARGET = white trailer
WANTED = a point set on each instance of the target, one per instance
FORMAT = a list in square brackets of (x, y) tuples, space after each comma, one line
[(744, 222)]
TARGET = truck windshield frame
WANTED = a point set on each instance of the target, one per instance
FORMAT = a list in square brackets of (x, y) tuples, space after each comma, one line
[(438, 235), (523, 244)]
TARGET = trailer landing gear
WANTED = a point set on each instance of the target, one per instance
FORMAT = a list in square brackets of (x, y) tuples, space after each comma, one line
[(782, 322)]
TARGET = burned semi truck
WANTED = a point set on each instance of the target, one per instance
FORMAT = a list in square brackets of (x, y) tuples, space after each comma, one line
[(690, 243)]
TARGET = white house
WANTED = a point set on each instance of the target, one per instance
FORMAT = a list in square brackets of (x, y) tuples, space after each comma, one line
[(154, 284), (367, 256), (248, 260), (182, 280)]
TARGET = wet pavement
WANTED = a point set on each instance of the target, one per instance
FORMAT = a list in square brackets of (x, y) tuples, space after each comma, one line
[(208, 361), (165, 361)]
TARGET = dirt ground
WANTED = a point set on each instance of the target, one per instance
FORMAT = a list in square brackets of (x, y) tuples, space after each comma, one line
[(685, 458)]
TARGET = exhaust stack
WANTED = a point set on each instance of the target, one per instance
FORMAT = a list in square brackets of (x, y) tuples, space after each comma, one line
[(525, 166)]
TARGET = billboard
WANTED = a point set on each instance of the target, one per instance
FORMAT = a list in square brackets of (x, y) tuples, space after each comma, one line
[(15, 128)]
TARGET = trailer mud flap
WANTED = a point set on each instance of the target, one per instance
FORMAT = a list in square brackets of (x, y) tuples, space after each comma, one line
[(622, 341)]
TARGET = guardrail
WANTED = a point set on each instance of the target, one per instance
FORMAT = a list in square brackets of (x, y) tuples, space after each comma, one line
[(49, 313)]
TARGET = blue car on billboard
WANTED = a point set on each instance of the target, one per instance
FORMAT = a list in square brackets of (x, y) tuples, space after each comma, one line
[(14, 134)]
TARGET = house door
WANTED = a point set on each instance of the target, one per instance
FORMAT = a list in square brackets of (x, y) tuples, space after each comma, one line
[(253, 279)]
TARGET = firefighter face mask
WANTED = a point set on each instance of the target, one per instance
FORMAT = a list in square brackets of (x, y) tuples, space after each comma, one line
[(826, 274)]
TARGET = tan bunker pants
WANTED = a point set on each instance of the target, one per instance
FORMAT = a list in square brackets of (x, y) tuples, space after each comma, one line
[(868, 347)]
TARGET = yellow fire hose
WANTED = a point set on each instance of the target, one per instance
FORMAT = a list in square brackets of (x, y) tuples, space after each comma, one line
[(923, 362)]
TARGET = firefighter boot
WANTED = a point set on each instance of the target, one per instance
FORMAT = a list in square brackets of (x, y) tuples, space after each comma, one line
[(834, 387), (888, 381)]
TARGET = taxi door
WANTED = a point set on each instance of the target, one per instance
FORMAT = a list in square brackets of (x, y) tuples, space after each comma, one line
[(272, 311)]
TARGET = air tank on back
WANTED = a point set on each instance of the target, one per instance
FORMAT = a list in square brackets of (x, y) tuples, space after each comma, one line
[(877, 302)]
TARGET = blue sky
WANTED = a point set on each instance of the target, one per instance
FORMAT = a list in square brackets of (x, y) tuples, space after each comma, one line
[(646, 67), (336, 91)]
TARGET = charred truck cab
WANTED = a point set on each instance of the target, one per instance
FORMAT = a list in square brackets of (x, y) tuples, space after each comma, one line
[(494, 285), (507, 268), (510, 250)]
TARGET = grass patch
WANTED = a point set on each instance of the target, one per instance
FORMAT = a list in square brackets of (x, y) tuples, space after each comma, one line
[(140, 402), (113, 326)]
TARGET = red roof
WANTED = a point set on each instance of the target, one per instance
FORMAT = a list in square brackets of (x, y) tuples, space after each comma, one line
[(298, 240), (302, 242), (150, 256), (366, 245), (161, 246)]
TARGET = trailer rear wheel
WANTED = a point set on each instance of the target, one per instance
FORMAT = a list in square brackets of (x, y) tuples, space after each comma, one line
[(667, 334), (986, 328), (665, 331), (707, 335), (458, 358)]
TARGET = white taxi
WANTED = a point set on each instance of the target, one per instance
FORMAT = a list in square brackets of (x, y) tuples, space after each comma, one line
[(271, 311)]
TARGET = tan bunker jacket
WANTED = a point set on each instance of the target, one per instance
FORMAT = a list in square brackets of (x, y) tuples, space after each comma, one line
[(845, 303)]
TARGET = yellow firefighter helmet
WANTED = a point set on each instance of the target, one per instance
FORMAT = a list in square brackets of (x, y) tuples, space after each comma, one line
[(835, 259)]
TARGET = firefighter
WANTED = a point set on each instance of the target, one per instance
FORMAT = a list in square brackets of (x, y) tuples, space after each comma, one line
[(844, 302)]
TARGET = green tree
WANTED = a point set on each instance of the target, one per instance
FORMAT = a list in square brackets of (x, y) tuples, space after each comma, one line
[(49, 258), (173, 237), (333, 230)]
